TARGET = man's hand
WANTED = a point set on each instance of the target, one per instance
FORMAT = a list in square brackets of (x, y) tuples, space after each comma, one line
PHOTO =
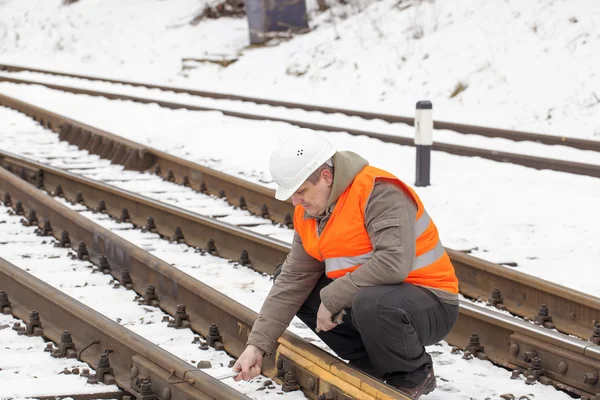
[(249, 364), (325, 319)]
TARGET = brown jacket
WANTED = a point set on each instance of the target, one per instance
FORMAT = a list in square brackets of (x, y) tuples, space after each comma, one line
[(389, 217)]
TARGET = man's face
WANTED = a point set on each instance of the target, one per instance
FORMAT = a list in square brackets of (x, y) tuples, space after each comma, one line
[(313, 197)]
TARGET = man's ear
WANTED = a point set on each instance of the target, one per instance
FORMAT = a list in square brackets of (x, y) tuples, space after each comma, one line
[(327, 177)]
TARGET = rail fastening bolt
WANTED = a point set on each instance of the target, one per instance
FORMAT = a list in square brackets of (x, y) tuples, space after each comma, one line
[(19, 208), (103, 265), (47, 229), (170, 176), (244, 259), (243, 204), (6, 200), (222, 194), (150, 225), (82, 252), (58, 192), (32, 217), (79, 198), (264, 211), (101, 206)]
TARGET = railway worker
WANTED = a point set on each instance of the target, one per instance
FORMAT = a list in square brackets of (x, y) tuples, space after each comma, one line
[(363, 243)]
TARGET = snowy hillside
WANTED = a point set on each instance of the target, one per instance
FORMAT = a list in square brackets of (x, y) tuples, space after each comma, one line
[(523, 65)]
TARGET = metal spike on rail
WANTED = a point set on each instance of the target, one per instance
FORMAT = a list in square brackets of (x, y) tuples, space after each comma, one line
[(64, 239), (170, 176), (150, 297), (58, 191), (264, 211), (178, 235), (146, 392), (32, 219), (124, 216), (596, 334), (23, 174), (7, 200), (101, 207), (290, 383), (150, 225), (222, 194), (79, 198), (182, 319), (103, 265), (243, 204), (47, 228), (82, 252), (19, 208), (5, 307), (104, 372), (157, 170), (39, 179), (214, 338), (535, 368), (203, 188), (126, 279), (9, 168), (244, 258), (496, 300), (211, 248), (475, 347), (33, 327), (66, 347), (543, 318), (186, 181)]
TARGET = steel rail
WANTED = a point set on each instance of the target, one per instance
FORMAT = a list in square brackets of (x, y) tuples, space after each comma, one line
[(132, 359), (540, 163), (540, 354), (460, 128), (523, 295), (295, 360)]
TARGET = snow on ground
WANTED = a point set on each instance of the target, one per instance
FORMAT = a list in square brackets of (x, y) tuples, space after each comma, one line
[(336, 120), (506, 213), (520, 65), (21, 358)]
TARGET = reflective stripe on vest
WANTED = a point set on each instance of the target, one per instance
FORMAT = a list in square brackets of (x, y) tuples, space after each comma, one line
[(338, 266)]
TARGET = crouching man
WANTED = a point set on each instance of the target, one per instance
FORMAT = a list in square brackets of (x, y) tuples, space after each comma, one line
[(363, 243)]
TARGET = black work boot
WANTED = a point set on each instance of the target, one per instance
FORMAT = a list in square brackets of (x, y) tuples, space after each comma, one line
[(427, 386)]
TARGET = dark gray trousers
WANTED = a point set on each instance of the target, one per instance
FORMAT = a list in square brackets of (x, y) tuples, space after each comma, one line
[(385, 332)]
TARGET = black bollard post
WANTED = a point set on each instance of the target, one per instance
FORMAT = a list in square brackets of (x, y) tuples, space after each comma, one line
[(423, 141)]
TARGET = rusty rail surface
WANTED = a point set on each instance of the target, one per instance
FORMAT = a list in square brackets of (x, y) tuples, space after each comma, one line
[(315, 371), (540, 354), (135, 364), (569, 311), (576, 143), (540, 163)]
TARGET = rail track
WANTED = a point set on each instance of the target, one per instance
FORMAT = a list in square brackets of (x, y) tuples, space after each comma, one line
[(314, 370), (118, 355), (572, 312), (570, 166), (508, 342)]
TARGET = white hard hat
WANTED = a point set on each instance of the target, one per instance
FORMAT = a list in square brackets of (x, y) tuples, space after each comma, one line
[(297, 155)]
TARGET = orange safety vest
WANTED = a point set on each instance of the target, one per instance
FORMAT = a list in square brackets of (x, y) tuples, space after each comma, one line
[(345, 245)]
